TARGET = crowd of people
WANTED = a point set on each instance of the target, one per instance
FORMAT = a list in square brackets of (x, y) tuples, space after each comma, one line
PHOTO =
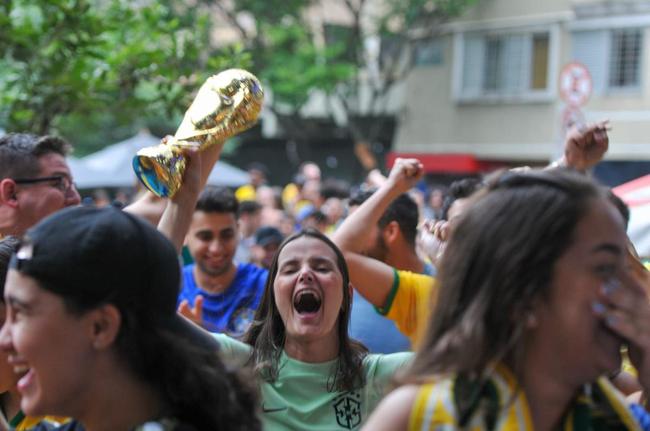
[(513, 301)]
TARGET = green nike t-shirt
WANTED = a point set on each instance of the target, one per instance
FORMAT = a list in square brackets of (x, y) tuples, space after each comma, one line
[(299, 399)]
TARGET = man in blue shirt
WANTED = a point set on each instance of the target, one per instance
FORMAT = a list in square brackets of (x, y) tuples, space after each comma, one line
[(224, 293)]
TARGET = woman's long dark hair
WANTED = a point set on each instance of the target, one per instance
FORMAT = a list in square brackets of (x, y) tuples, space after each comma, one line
[(267, 333), (500, 260), (196, 386)]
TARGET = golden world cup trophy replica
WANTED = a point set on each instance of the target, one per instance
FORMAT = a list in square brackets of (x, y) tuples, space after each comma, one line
[(227, 104)]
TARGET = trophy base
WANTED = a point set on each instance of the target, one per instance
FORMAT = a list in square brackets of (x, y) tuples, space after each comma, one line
[(160, 169)]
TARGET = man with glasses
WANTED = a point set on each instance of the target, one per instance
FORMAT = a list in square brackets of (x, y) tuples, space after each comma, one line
[(35, 180)]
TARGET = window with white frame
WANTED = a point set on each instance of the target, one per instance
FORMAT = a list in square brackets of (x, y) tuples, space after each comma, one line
[(613, 57), (624, 61), (504, 65)]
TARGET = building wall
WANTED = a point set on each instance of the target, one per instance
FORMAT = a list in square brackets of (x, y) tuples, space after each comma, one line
[(493, 10), (516, 129)]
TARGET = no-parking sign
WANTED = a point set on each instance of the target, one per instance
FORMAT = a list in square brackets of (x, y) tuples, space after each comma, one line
[(575, 84)]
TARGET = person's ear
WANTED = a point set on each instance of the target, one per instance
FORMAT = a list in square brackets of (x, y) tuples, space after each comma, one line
[(105, 323), (391, 232), (8, 192)]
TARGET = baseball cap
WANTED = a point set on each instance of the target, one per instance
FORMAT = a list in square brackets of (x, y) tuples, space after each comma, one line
[(267, 235), (304, 212), (105, 255)]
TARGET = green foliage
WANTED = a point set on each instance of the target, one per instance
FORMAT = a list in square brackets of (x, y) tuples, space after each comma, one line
[(296, 54), (284, 50), (97, 70), (294, 66), (272, 11), (101, 65)]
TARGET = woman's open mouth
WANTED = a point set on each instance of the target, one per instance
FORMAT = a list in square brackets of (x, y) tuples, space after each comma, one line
[(27, 376), (307, 301)]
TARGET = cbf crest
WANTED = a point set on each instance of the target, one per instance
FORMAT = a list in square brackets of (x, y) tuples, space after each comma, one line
[(347, 408)]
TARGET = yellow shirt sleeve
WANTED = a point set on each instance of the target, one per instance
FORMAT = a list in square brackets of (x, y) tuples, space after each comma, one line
[(410, 302)]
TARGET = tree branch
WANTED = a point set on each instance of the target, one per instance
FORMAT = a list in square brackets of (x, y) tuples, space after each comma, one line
[(232, 19)]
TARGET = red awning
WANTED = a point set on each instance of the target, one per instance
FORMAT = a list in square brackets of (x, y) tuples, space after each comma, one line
[(446, 163), (635, 192)]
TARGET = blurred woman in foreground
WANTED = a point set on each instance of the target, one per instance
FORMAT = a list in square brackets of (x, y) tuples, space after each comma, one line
[(535, 305)]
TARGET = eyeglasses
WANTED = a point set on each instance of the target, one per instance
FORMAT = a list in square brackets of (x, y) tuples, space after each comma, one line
[(60, 182)]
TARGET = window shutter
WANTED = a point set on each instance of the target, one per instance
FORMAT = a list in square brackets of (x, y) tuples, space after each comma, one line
[(515, 65), (472, 65), (590, 48)]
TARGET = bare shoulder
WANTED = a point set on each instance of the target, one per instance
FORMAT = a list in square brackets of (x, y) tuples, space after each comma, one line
[(394, 410)]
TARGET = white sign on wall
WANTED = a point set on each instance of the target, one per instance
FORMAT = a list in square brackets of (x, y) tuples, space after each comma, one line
[(576, 84)]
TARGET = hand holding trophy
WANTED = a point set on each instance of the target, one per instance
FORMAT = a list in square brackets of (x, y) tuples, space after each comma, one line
[(227, 104)]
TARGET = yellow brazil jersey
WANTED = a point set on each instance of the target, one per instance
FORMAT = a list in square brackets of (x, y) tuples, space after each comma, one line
[(499, 405), (410, 302), (20, 422)]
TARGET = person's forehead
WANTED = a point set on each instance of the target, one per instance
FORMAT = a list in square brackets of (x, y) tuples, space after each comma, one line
[(306, 247), (53, 164), (20, 285), (216, 221), (600, 224), (272, 246)]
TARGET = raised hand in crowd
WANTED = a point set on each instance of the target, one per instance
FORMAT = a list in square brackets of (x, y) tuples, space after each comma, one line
[(405, 174), (433, 239), (192, 312), (585, 146)]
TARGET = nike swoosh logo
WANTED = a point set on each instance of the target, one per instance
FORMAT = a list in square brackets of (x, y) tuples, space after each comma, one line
[(272, 410)]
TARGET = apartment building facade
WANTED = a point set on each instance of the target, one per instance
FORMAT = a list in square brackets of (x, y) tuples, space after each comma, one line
[(485, 92)]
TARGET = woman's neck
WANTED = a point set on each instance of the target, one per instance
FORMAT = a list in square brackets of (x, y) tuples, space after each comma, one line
[(120, 403), (313, 351), (549, 395)]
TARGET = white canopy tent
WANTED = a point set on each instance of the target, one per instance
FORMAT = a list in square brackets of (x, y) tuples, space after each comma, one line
[(112, 166), (636, 194)]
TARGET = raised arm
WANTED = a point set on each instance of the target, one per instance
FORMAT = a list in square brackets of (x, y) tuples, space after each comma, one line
[(177, 216), (372, 278)]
